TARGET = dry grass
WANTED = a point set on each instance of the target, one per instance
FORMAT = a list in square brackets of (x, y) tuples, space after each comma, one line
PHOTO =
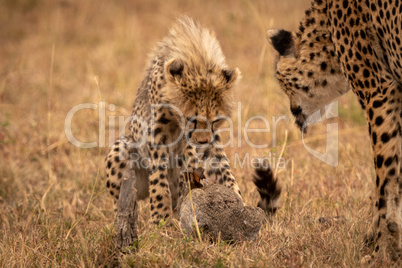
[(53, 207)]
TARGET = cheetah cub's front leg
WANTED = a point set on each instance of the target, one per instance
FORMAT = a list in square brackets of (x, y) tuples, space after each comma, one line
[(159, 192), (117, 168), (217, 168), (190, 173)]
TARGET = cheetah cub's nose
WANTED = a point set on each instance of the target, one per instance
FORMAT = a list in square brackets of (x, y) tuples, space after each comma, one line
[(205, 141)]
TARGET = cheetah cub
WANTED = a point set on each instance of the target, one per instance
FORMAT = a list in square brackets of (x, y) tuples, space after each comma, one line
[(180, 105)]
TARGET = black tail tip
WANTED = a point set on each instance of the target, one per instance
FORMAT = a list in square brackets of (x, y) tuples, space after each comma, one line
[(267, 186)]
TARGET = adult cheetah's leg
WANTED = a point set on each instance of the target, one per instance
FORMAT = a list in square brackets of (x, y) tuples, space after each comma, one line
[(116, 165), (217, 168), (384, 115)]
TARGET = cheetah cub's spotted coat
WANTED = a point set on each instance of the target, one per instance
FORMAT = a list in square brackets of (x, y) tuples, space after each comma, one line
[(183, 100)]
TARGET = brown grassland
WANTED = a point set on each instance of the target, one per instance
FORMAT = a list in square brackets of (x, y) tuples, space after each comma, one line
[(54, 210)]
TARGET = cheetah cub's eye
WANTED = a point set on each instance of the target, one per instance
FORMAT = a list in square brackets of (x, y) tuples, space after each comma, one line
[(218, 122)]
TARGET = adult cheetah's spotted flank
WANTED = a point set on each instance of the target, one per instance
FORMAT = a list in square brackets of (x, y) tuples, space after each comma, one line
[(357, 44)]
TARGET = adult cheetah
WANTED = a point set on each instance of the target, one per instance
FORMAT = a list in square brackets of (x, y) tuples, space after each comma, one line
[(353, 44), (180, 106)]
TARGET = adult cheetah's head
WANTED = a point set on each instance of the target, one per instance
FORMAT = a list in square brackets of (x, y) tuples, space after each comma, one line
[(307, 70), (202, 92)]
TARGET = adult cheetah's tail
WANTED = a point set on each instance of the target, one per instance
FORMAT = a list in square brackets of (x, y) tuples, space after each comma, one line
[(268, 187)]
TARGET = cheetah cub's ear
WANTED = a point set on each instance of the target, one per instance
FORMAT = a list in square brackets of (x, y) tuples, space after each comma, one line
[(231, 76), (174, 70), (283, 41)]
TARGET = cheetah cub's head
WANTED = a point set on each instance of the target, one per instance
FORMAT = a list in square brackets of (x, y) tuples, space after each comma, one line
[(198, 81), (307, 70), (203, 95)]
